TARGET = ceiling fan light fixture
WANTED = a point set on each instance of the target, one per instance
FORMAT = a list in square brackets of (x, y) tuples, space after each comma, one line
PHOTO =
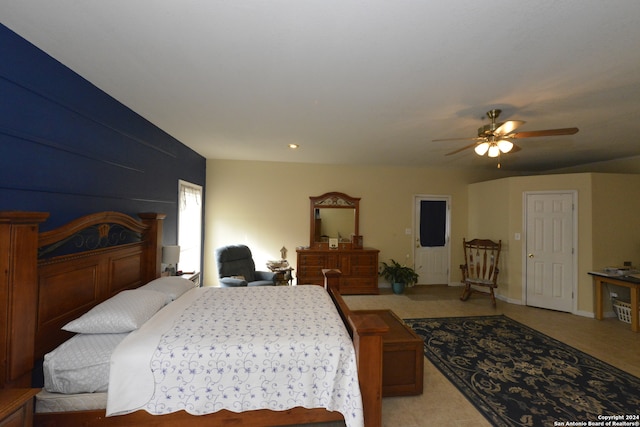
[(505, 145), (490, 137), (481, 149)]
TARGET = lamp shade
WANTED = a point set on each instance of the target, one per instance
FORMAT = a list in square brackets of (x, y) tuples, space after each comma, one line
[(505, 146), (482, 148), (171, 254), (494, 151)]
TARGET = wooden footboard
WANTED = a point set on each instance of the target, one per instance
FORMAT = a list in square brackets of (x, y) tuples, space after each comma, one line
[(259, 418)]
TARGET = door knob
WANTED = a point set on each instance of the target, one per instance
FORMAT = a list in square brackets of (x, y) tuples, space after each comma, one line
[(530, 255)]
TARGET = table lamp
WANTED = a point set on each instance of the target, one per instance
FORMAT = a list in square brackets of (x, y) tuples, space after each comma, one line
[(171, 257)]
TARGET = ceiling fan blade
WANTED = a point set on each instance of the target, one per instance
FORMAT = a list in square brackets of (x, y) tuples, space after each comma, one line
[(547, 132), (508, 127), (461, 149), (457, 139)]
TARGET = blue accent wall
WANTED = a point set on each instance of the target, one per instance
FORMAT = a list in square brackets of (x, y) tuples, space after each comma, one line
[(68, 148)]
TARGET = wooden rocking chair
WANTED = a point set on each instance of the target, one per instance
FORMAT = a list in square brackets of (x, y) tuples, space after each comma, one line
[(481, 267)]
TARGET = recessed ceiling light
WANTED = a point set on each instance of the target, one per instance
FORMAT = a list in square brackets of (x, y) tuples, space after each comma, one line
[(293, 146)]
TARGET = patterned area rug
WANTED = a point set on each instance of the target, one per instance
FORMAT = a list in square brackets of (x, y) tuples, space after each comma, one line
[(517, 376)]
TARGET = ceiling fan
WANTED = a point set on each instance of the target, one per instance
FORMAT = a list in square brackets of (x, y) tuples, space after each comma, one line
[(493, 138)]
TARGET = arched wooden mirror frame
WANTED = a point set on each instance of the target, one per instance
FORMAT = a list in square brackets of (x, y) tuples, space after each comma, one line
[(332, 200)]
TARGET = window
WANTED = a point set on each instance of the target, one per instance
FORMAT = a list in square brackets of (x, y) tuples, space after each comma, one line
[(189, 225), (433, 223)]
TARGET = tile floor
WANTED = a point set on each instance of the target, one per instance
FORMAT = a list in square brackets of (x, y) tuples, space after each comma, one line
[(441, 404)]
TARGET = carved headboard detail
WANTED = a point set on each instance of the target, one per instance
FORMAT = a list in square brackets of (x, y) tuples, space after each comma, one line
[(102, 254)]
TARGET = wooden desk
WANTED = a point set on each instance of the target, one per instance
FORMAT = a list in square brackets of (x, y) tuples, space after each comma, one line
[(599, 278)]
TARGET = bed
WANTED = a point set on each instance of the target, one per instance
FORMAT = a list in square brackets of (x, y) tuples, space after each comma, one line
[(93, 259)]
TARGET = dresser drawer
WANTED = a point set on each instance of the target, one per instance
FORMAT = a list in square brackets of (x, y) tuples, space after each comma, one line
[(364, 259), (358, 268), (364, 269), (313, 260)]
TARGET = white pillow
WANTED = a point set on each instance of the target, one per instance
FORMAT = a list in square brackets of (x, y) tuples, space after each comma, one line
[(171, 286), (80, 364), (124, 312)]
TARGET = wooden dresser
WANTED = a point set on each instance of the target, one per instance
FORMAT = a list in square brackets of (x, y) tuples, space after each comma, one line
[(359, 268)]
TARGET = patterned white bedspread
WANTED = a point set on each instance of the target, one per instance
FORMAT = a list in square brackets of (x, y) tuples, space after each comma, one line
[(239, 349)]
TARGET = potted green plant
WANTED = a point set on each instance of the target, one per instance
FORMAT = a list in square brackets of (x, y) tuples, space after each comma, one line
[(398, 275)]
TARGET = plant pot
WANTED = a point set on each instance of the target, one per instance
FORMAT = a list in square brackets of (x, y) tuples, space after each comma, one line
[(398, 288)]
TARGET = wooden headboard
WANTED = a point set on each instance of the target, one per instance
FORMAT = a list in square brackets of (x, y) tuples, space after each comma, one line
[(53, 277)]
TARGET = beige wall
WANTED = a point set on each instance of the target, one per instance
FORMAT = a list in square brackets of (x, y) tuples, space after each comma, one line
[(266, 206), (616, 219), (488, 218), (604, 204), (630, 165)]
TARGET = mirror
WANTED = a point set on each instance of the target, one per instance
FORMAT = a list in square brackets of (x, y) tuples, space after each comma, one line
[(334, 216), (334, 223)]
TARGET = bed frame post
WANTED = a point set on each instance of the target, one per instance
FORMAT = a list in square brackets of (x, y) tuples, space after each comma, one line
[(367, 340), (331, 278), (152, 263), (18, 295)]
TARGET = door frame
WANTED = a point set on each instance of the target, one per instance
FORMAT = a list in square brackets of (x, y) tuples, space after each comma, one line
[(574, 261), (416, 231)]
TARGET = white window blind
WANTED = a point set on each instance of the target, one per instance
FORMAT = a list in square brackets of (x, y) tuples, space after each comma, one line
[(189, 225)]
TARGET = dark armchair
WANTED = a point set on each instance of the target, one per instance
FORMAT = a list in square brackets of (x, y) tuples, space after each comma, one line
[(236, 268)]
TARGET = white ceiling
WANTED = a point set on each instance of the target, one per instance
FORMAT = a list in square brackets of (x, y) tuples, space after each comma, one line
[(358, 82)]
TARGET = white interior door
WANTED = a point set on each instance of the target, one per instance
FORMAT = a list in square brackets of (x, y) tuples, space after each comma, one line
[(431, 236), (550, 250)]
